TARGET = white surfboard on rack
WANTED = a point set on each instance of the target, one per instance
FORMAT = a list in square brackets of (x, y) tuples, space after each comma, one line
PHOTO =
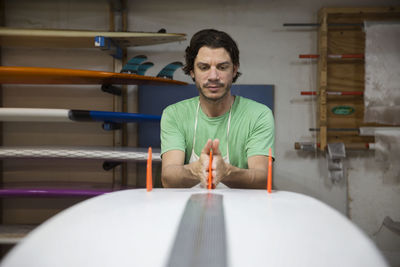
[(96, 153)]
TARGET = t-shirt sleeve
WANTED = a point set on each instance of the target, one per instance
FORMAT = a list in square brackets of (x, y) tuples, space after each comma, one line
[(172, 137), (262, 135)]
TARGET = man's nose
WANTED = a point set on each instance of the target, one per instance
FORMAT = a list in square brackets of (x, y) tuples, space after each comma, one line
[(213, 75)]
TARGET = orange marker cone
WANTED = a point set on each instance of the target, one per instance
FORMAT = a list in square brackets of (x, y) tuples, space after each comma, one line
[(210, 172), (149, 173), (269, 179)]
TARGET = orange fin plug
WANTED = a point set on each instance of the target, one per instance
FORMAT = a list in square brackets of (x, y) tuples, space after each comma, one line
[(149, 173), (210, 172), (269, 179)]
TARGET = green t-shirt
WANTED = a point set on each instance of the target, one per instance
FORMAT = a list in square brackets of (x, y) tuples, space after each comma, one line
[(251, 130)]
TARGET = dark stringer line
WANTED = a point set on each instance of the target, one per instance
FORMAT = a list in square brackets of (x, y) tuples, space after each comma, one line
[(201, 237)]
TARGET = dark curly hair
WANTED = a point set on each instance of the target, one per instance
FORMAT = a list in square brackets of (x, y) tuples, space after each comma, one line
[(213, 39)]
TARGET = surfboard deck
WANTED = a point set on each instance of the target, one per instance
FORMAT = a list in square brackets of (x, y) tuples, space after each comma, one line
[(124, 154), (36, 75), (17, 37), (138, 228)]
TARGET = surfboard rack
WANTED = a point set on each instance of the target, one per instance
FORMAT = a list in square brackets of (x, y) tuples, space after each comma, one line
[(109, 165), (111, 89), (111, 126), (107, 44)]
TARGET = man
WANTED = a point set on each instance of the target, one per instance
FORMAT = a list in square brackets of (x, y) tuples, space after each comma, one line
[(239, 131)]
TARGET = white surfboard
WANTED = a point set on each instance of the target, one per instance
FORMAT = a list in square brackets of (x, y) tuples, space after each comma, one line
[(139, 228), (96, 153)]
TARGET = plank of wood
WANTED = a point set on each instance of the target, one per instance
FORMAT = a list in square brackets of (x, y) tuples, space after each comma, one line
[(16, 37), (36, 75), (323, 77), (346, 76), (349, 41), (363, 11)]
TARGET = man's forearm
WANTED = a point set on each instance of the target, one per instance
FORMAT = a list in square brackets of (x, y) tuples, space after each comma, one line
[(245, 178), (178, 176)]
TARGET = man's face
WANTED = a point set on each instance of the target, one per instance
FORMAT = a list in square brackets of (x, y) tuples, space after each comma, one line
[(213, 72)]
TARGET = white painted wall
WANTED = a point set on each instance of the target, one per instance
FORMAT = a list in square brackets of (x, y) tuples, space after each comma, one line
[(268, 56)]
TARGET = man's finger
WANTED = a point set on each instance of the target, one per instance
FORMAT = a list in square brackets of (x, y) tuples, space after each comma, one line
[(203, 180), (207, 147), (215, 147)]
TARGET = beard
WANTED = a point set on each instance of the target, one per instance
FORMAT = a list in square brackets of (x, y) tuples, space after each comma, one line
[(226, 87)]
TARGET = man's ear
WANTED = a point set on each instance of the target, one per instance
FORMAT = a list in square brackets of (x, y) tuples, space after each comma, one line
[(235, 70), (192, 75)]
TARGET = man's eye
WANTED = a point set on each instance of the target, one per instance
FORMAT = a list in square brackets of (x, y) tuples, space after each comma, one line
[(223, 67), (202, 67)]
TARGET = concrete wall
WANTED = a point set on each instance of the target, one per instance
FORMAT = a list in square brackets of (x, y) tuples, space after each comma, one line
[(268, 56)]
